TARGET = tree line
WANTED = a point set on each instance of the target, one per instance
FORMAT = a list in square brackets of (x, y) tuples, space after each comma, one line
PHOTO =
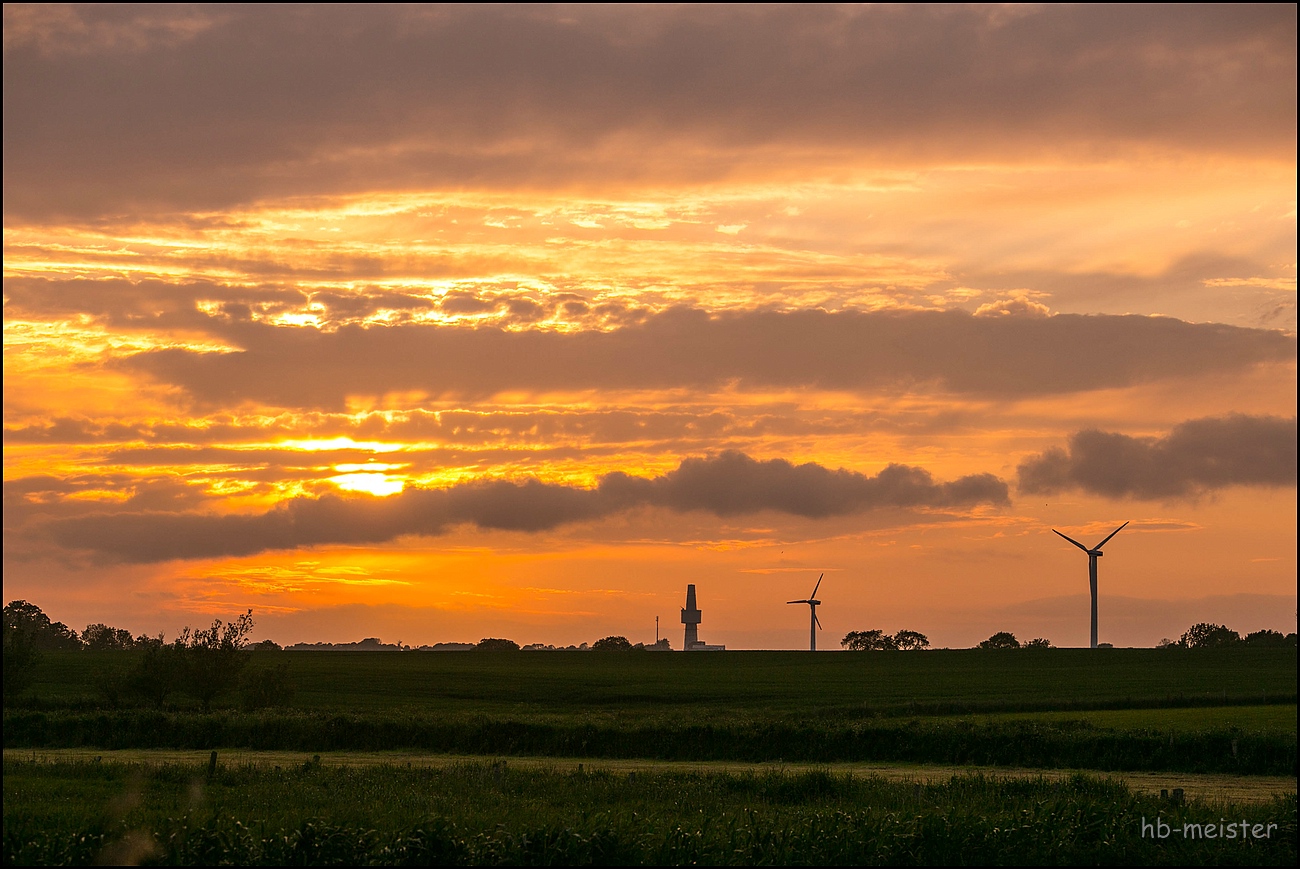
[(1206, 635), (1199, 636), (605, 644), (204, 663)]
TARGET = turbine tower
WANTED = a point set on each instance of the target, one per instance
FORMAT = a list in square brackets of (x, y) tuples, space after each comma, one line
[(1093, 554), (813, 624)]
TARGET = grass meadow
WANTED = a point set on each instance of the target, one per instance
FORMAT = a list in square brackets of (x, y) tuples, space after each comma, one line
[(1031, 745)]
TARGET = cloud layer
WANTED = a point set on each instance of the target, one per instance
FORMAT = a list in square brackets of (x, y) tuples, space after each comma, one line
[(956, 352), (1198, 456), (122, 107), (729, 484)]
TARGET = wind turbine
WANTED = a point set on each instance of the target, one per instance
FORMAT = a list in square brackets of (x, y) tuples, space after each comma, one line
[(812, 608), (1093, 554)]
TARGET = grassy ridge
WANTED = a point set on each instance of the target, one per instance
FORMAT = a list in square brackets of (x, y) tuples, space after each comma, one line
[(481, 814)]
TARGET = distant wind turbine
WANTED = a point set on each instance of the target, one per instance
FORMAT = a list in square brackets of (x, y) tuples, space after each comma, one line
[(1093, 554), (814, 624)]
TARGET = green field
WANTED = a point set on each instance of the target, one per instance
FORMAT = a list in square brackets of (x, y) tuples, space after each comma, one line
[(782, 757), (706, 687), (1108, 710)]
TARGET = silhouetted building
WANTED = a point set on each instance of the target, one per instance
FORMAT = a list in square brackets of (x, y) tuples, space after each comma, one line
[(691, 618)]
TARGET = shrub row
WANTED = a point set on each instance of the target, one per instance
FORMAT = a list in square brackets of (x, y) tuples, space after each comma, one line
[(1009, 743)]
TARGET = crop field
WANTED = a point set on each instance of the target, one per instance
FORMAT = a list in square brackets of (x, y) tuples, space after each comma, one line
[(494, 814), (727, 758)]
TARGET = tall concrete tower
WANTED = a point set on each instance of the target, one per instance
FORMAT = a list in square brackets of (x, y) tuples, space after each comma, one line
[(691, 618)]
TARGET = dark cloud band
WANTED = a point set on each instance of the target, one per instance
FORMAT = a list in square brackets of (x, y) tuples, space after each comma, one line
[(1197, 456), (118, 109), (729, 484), (952, 351)]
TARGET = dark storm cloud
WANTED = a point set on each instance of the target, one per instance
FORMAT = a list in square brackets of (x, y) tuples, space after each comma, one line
[(729, 484), (890, 350), (1197, 456), (110, 109)]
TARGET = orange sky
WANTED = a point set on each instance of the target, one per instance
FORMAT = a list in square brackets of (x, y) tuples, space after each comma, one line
[(440, 323)]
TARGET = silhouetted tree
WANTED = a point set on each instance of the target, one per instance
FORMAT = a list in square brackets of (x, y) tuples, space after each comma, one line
[(1038, 643), (612, 644), (911, 640), (1268, 638), (1001, 640), (266, 646), (44, 633), (20, 655), (868, 641), (1205, 635), (493, 644), (98, 638), (214, 657)]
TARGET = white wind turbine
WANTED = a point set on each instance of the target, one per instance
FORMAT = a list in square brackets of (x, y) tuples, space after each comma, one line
[(812, 608), (1093, 554)]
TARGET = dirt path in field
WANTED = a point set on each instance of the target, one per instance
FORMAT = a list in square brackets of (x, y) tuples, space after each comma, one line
[(1213, 786)]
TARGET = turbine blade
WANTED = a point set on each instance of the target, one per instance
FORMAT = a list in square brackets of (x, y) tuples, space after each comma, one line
[(1071, 539), (816, 620), (817, 586), (796, 601), (1110, 535)]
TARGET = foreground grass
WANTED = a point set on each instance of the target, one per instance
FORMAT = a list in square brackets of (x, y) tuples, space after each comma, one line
[(492, 813)]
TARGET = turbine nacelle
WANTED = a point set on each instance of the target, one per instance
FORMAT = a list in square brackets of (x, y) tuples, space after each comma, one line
[(1094, 552), (815, 623)]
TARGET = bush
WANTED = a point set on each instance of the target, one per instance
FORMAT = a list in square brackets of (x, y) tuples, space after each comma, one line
[(213, 657), (205, 663), (264, 687), (1038, 643), (879, 641), (159, 672), (99, 638), (911, 640), (493, 644), (612, 644), (1269, 639), (1209, 636), (869, 641), (1001, 640)]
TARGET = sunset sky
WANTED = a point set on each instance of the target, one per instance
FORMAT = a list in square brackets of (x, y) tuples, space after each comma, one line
[(442, 323)]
